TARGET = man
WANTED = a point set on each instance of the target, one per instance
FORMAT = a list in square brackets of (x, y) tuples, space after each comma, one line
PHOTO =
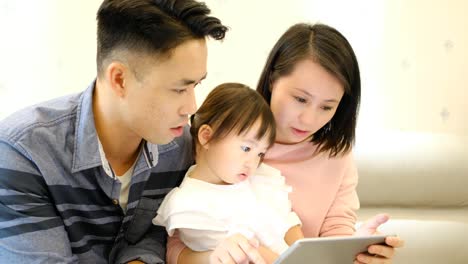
[(83, 174)]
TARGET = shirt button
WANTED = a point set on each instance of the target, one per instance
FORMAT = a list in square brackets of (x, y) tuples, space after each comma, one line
[(115, 201)]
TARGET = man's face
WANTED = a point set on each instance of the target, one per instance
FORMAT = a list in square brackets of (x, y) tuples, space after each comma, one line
[(160, 97)]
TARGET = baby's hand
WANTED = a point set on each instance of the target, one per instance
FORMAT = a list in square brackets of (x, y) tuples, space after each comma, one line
[(237, 249)]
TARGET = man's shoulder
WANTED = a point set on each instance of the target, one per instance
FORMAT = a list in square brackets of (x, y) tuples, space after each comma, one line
[(40, 118)]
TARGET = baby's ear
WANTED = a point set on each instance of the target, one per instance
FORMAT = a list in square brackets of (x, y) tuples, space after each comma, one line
[(204, 135)]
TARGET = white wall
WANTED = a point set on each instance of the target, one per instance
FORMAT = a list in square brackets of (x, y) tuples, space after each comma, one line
[(47, 49), (413, 54)]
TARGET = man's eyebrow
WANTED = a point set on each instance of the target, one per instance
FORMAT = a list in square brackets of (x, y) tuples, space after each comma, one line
[(188, 81)]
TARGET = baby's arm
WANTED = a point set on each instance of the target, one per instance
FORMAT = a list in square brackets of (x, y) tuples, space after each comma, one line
[(234, 249), (192, 257), (294, 233), (267, 254)]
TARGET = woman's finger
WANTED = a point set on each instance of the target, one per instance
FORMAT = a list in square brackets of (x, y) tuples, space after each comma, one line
[(395, 241), (368, 259), (382, 250)]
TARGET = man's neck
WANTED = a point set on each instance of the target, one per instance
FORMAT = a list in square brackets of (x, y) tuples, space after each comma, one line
[(120, 144)]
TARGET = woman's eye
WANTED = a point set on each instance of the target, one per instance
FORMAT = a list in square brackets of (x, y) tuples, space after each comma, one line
[(327, 108), (245, 148), (300, 99)]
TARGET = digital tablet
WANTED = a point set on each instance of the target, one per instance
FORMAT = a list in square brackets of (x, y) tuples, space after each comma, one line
[(328, 250)]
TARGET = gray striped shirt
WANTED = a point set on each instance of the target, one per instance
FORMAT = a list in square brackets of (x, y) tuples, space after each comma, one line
[(57, 204)]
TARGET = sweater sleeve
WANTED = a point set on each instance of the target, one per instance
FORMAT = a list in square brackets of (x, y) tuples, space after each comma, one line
[(341, 217)]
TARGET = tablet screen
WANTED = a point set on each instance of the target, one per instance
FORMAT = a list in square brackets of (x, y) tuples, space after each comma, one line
[(328, 250)]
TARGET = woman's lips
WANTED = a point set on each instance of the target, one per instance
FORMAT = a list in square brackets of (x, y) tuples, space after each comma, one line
[(300, 132)]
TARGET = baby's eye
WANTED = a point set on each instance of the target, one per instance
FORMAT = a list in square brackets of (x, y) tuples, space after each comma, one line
[(261, 155), (245, 148)]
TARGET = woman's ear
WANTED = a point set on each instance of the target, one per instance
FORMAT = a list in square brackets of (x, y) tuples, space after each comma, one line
[(205, 132)]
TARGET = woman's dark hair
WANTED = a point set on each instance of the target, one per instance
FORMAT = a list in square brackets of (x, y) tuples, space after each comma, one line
[(233, 108), (329, 48)]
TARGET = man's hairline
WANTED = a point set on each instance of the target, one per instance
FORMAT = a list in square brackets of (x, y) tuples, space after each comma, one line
[(126, 56)]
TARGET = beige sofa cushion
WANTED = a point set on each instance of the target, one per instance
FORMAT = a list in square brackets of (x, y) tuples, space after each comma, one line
[(432, 236), (421, 181), (412, 169)]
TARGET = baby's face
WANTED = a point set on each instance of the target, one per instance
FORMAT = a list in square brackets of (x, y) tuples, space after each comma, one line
[(234, 158)]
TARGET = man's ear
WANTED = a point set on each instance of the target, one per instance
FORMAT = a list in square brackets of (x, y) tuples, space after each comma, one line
[(117, 75), (205, 132)]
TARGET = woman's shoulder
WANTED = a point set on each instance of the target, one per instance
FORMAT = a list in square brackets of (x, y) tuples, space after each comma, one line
[(304, 152)]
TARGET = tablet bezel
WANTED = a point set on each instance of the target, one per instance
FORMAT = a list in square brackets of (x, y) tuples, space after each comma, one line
[(326, 250)]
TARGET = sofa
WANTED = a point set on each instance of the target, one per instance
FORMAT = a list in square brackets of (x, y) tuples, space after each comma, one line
[(421, 181)]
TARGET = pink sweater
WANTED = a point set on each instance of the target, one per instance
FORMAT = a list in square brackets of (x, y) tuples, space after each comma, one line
[(324, 191)]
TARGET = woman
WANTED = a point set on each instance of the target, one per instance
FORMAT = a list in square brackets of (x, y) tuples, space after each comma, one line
[(311, 81)]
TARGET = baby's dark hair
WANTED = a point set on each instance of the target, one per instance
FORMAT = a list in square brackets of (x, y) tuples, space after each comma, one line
[(233, 107)]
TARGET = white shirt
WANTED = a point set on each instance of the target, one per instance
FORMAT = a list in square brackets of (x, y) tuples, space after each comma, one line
[(124, 179), (205, 214)]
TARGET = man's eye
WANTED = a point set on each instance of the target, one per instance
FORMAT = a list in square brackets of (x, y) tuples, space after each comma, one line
[(180, 91), (245, 148)]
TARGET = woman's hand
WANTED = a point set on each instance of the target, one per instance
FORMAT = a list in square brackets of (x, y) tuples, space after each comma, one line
[(377, 253), (237, 249)]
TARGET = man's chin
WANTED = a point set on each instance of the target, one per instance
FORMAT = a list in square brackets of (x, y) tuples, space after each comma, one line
[(160, 140)]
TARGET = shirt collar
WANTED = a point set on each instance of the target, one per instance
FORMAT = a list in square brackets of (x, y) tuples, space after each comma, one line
[(86, 153), (150, 153)]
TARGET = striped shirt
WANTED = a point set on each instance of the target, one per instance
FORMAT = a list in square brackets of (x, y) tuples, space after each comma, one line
[(58, 204)]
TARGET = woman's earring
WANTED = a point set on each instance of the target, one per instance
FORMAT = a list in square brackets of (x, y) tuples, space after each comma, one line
[(327, 128)]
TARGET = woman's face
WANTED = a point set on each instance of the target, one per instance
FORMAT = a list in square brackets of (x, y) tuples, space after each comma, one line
[(304, 101)]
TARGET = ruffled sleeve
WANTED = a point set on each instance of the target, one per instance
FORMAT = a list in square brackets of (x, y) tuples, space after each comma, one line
[(270, 188)]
